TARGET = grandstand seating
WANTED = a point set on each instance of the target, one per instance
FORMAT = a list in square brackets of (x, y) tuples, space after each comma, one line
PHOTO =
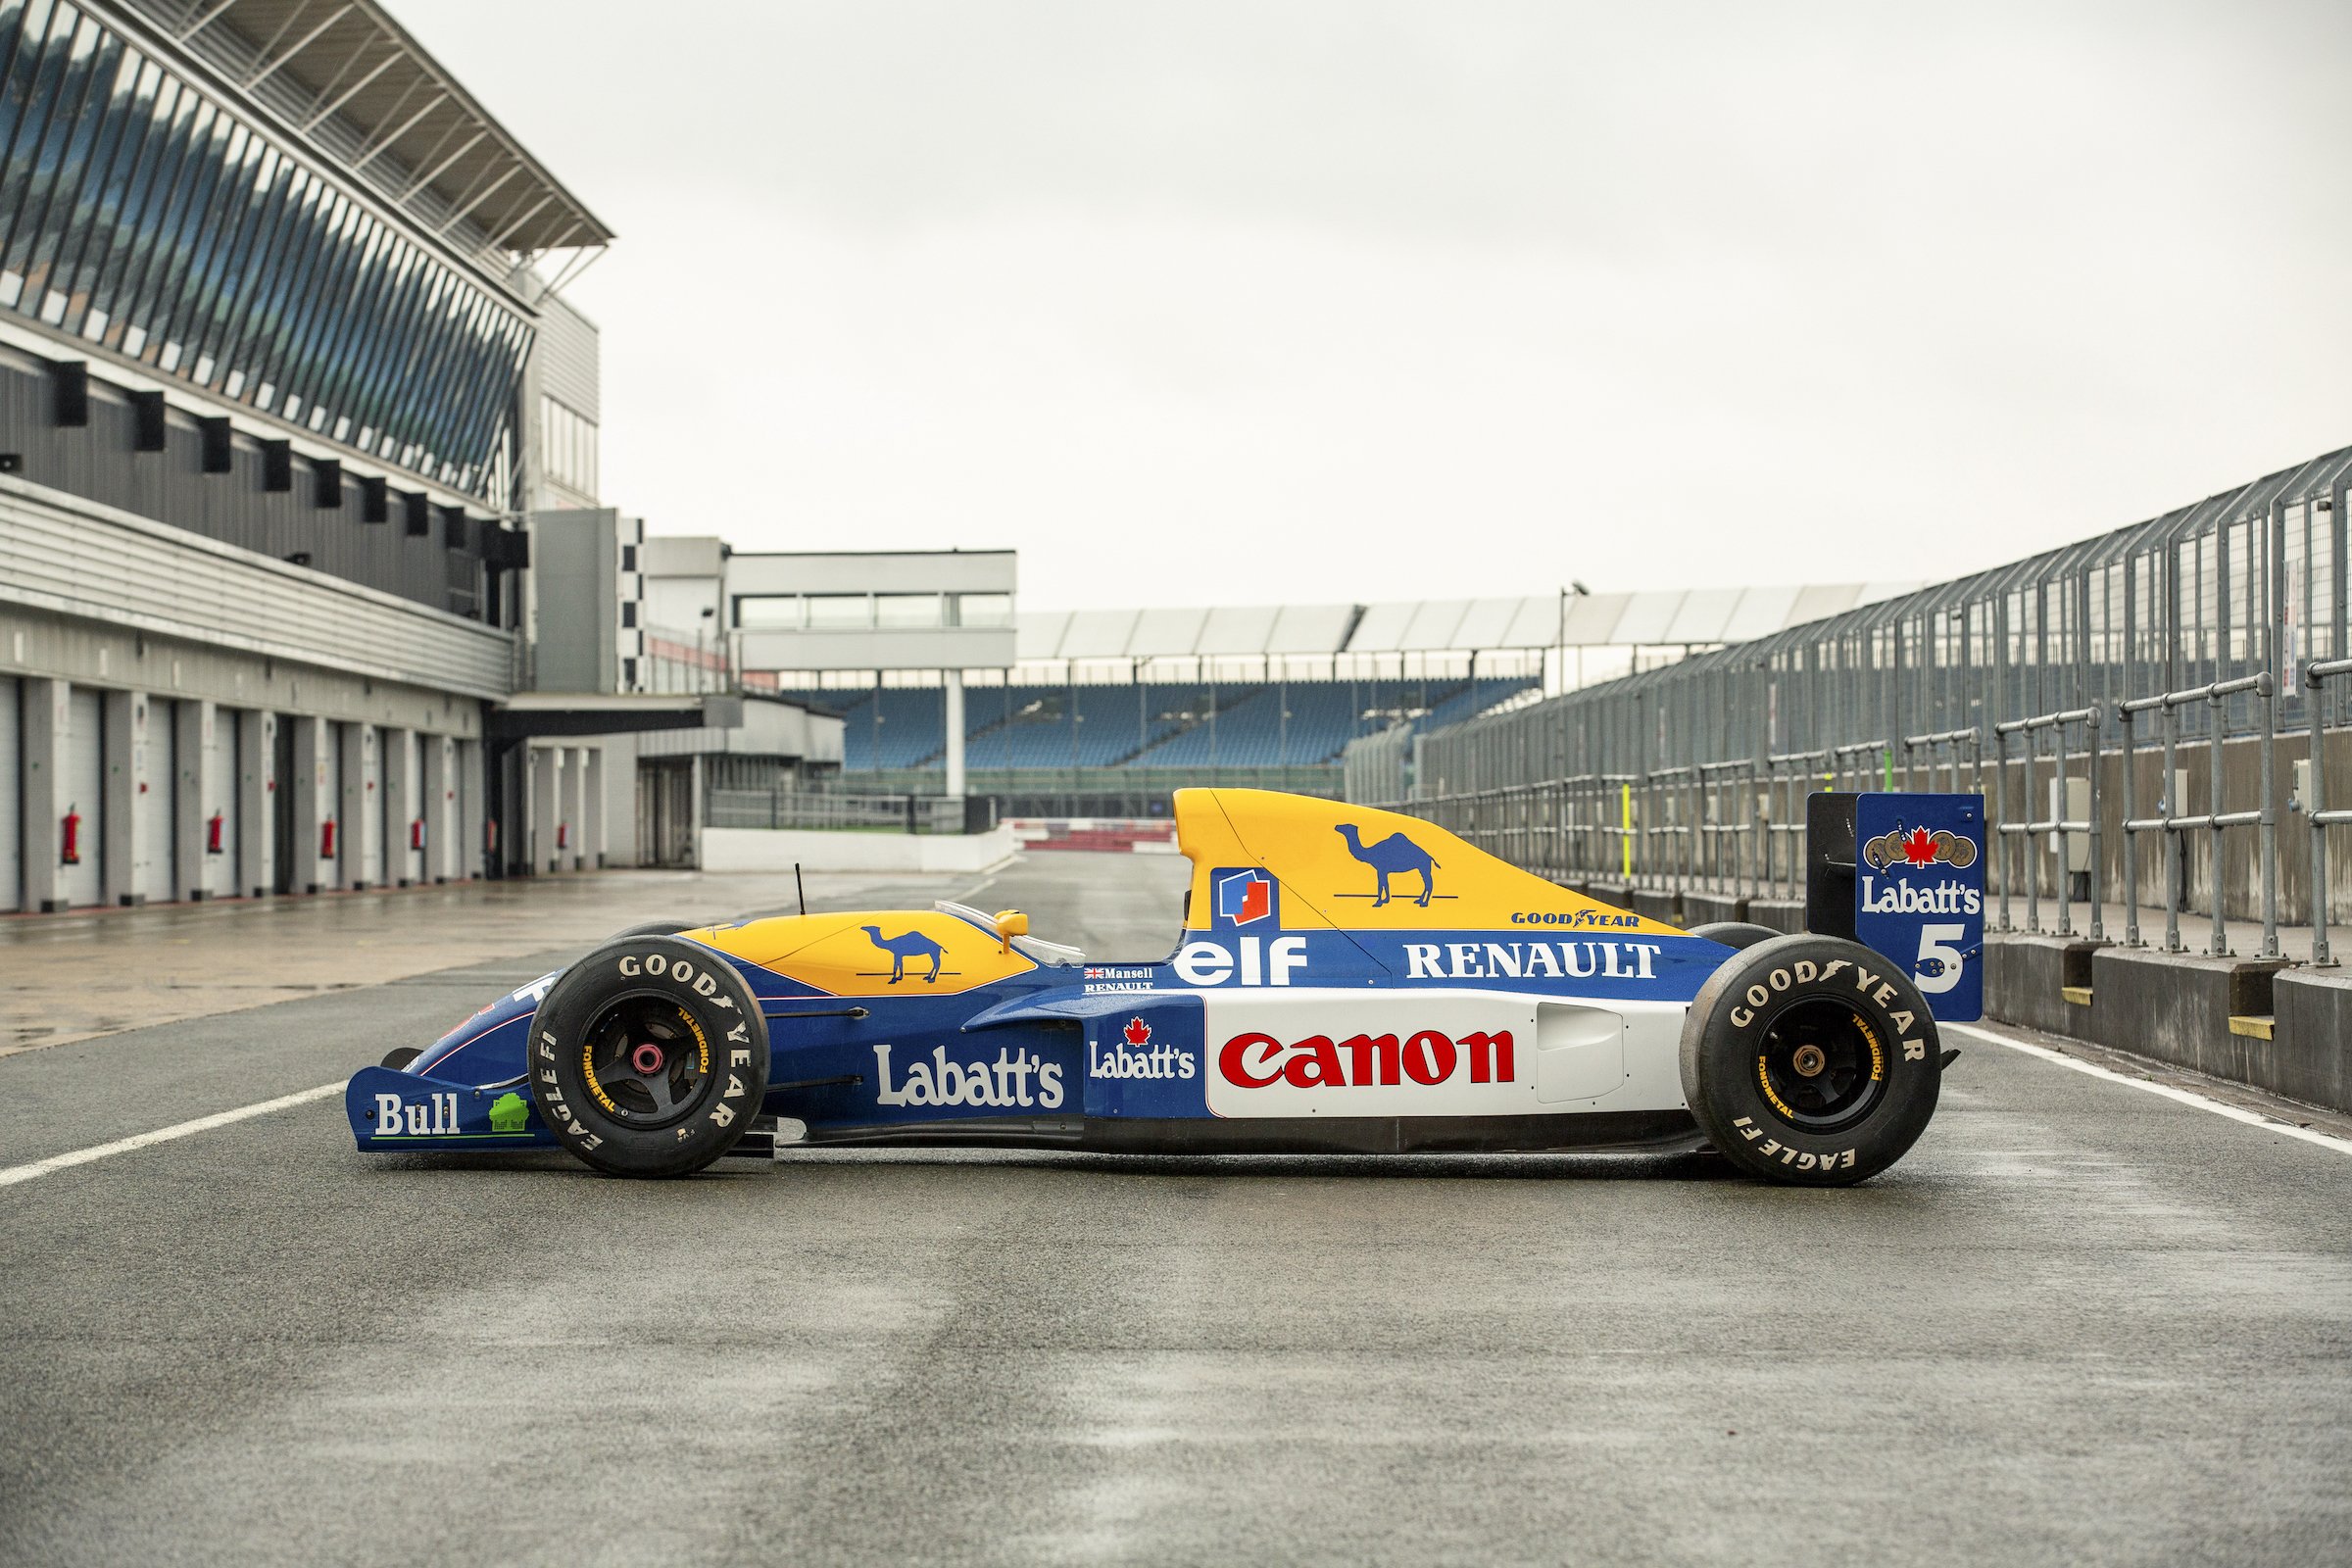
[(1236, 724)]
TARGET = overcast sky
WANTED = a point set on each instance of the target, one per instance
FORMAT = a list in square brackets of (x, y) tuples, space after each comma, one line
[(1244, 303)]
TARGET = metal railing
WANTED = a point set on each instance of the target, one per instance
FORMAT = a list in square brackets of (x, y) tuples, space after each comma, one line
[(2172, 821), (2008, 832), (1692, 780), (823, 811), (2314, 809)]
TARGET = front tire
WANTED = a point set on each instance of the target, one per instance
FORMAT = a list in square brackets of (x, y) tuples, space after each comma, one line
[(648, 1057), (1811, 1060)]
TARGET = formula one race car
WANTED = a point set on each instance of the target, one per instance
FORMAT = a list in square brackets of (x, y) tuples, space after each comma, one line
[(1347, 980)]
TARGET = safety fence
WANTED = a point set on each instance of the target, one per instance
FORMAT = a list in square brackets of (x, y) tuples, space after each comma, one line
[(818, 810), (2069, 690)]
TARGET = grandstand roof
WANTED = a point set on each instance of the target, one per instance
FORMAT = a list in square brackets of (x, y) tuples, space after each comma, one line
[(349, 80), (1441, 625)]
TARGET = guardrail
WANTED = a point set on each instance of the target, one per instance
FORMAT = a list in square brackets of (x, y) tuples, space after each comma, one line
[(2212, 818), (1735, 827), (2314, 809), (2057, 823), (820, 811)]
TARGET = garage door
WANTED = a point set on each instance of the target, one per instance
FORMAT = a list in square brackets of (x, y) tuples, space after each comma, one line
[(407, 862), (153, 803), (86, 787), (220, 766), (12, 794), (330, 805)]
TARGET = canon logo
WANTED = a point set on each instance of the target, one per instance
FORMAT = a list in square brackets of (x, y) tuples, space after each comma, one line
[(1429, 1057)]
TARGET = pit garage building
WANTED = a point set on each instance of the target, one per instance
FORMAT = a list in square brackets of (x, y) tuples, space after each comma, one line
[(284, 374)]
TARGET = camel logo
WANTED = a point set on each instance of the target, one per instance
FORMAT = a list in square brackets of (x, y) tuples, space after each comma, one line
[(912, 945), (1918, 849), (1393, 856)]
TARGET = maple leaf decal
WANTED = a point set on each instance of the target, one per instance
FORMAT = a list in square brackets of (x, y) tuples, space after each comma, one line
[(1919, 849), (1138, 1032)]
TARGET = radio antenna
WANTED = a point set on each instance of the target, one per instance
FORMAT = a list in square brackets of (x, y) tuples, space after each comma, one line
[(797, 887)]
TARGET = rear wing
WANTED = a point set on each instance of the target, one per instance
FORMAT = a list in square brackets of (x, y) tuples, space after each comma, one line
[(1904, 875)]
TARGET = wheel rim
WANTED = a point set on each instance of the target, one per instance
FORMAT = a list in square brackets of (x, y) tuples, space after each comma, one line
[(1821, 1065), (647, 1060)]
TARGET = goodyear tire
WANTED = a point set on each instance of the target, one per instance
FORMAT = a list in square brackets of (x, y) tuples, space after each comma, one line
[(1811, 1060), (652, 928), (648, 1057)]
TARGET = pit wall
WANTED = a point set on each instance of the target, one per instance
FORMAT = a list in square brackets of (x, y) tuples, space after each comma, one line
[(2256, 1021)]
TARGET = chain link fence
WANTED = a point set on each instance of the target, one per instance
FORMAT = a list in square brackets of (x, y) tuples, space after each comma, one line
[(2067, 689)]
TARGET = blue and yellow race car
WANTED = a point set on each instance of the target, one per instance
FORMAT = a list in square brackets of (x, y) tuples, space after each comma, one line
[(1347, 980)]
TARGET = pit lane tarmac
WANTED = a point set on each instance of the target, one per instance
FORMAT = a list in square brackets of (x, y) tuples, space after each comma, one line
[(2078, 1323)]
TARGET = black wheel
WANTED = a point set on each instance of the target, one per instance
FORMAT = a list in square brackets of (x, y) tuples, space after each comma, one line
[(1811, 1059), (400, 1057), (648, 1057), (1735, 933), (653, 928)]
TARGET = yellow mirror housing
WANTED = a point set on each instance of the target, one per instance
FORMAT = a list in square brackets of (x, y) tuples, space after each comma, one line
[(1010, 923)]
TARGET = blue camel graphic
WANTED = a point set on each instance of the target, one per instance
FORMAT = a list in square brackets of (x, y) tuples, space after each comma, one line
[(913, 945), (1391, 855)]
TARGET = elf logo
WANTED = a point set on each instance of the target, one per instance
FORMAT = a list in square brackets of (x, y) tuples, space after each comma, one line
[(1261, 961), (1244, 897)]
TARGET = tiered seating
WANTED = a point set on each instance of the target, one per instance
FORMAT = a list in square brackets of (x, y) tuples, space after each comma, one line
[(1155, 727)]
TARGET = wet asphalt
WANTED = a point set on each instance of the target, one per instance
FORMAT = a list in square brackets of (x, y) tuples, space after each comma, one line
[(2079, 1324)]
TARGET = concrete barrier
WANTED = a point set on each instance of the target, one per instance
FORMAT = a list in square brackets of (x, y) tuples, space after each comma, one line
[(1781, 914), (758, 849), (2311, 1054), (1704, 909), (1658, 906), (2043, 982), (1616, 895), (2176, 1008)]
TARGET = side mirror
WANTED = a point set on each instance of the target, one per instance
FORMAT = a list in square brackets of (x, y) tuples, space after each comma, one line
[(1010, 923)]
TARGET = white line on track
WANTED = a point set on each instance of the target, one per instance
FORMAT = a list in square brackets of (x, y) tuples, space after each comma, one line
[(13, 1174), (2185, 1096)]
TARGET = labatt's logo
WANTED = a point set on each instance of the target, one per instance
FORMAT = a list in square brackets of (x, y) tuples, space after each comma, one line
[(1919, 850), (1908, 898), (1014, 1078), (1427, 1057), (1135, 1057)]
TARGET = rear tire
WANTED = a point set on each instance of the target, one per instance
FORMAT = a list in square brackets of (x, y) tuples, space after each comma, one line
[(648, 1057), (1811, 1060), (1740, 934), (653, 928)]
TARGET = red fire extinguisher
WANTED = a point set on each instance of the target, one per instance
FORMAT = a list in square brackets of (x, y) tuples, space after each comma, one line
[(563, 835), (416, 833), (490, 835), (69, 842), (211, 835), (326, 838)]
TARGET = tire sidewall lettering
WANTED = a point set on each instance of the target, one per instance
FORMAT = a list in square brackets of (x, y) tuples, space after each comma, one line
[(714, 995), (1725, 1036)]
